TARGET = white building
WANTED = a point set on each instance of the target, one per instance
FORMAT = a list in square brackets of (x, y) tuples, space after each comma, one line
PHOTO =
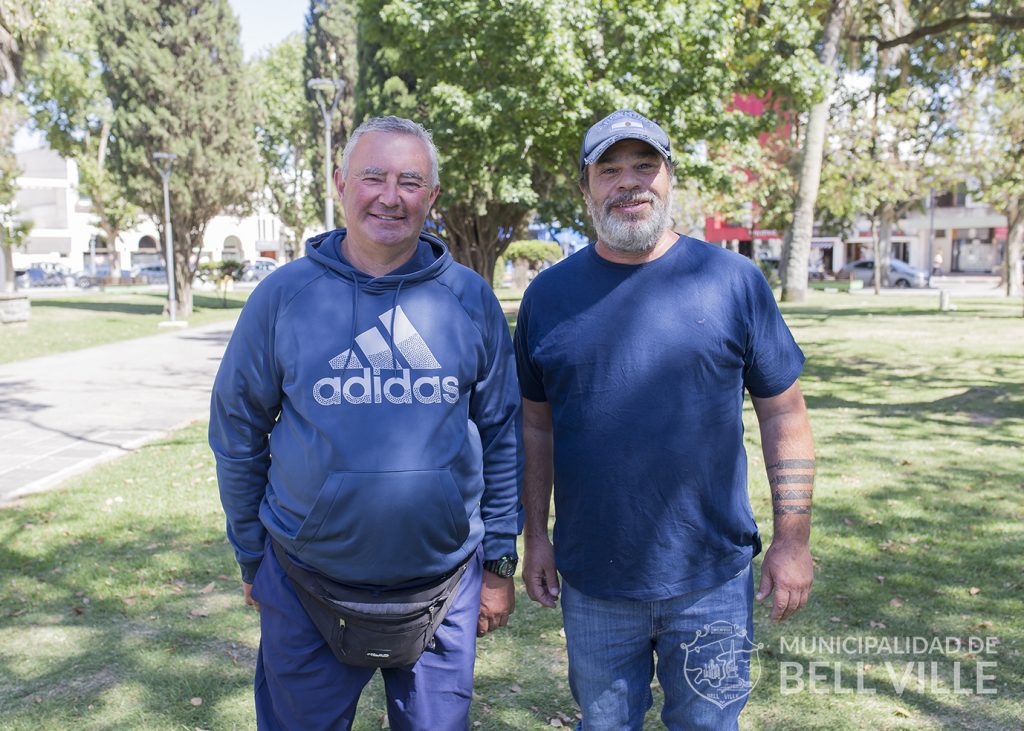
[(64, 228)]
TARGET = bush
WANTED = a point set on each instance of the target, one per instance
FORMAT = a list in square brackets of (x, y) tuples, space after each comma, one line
[(214, 271), (528, 256), (535, 252)]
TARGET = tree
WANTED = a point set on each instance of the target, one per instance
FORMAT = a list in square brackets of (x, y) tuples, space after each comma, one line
[(948, 25), (998, 140), (285, 138), (22, 28), (796, 246), (70, 106), (510, 89), (330, 53), (173, 70)]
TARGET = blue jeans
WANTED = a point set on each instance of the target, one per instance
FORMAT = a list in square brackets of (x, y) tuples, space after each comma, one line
[(703, 643), (301, 686)]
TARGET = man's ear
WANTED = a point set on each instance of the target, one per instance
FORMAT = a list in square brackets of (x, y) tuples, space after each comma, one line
[(434, 193), (339, 182)]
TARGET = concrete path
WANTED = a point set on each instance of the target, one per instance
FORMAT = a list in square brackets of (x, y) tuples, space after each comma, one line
[(62, 414)]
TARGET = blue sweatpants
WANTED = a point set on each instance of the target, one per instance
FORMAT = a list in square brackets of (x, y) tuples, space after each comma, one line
[(301, 686)]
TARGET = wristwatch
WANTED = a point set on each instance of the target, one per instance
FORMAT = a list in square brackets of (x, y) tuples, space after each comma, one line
[(504, 567)]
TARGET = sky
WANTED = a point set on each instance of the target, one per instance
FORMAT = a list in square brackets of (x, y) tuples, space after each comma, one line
[(265, 22)]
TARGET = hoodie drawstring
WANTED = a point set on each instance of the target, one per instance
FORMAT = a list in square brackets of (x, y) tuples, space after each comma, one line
[(355, 317), (391, 330)]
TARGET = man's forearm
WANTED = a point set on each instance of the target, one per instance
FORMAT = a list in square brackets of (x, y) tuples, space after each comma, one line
[(788, 449), (538, 446), (792, 485)]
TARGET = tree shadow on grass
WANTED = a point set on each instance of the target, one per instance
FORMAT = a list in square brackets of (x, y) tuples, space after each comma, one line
[(127, 308), (164, 642), (211, 302), (942, 565)]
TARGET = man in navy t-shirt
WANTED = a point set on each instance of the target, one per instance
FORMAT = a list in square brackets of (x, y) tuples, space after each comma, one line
[(633, 358)]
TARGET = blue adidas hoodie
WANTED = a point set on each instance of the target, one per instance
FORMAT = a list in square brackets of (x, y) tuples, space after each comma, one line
[(370, 424)]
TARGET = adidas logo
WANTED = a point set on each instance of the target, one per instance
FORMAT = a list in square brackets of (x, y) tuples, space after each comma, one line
[(372, 353)]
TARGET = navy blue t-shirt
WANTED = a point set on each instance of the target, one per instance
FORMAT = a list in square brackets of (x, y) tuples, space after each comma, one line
[(644, 367)]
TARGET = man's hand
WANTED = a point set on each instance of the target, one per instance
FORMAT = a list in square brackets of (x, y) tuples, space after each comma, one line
[(539, 572), (497, 601), (787, 570), (247, 593)]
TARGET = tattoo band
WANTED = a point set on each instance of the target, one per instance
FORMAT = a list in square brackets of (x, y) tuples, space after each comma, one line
[(791, 480), (792, 509), (791, 495), (792, 464)]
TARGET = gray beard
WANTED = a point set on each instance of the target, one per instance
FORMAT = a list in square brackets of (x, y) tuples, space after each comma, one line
[(631, 235)]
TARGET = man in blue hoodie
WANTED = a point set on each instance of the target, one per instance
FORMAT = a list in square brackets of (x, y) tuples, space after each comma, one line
[(365, 419), (634, 355)]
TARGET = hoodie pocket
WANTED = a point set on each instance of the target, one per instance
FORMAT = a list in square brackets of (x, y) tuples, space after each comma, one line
[(367, 525)]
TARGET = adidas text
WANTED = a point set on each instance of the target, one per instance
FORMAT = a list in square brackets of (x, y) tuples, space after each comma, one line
[(370, 388)]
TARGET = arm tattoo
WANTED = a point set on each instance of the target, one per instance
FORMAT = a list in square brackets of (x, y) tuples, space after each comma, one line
[(792, 509), (791, 480), (792, 464), (791, 495)]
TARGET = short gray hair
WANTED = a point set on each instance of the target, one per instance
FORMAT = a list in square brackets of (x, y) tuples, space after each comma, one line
[(393, 125)]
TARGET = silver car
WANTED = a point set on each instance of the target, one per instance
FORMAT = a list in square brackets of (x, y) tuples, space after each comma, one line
[(901, 275)]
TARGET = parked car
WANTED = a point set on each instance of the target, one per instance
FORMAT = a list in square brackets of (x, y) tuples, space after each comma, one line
[(257, 270), (56, 269), (38, 276), (901, 275), (814, 270), (151, 273)]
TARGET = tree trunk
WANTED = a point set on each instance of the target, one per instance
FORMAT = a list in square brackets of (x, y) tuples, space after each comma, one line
[(6, 268), (883, 252), (796, 246), (876, 246), (1012, 269), (476, 240), (182, 285)]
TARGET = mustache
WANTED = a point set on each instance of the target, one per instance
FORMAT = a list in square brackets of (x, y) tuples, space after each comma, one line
[(627, 199)]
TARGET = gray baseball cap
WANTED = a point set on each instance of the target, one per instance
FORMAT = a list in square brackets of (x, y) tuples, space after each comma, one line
[(624, 124)]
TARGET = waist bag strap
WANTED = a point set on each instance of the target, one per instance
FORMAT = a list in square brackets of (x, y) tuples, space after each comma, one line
[(380, 629)]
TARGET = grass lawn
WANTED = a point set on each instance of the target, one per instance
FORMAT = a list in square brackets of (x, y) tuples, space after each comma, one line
[(120, 605), (59, 324)]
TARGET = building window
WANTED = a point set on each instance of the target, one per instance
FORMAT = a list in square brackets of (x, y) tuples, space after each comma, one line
[(147, 243), (232, 249)]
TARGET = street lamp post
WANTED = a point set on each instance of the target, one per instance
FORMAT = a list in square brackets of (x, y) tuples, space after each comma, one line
[(165, 160), (324, 89)]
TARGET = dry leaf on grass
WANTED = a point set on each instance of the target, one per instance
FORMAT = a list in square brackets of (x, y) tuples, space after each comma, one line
[(196, 701)]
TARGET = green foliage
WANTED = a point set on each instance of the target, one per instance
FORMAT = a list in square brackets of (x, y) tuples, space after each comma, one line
[(330, 52), (286, 141), (534, 252), (173, 70), (215, 271), (23, 27), (509, 90), (69, 104)]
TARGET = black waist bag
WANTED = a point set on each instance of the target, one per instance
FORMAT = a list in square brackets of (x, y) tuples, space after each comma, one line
[(379, 629)]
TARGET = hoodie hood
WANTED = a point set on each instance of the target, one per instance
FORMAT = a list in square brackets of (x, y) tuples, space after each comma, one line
[(325, 249)]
